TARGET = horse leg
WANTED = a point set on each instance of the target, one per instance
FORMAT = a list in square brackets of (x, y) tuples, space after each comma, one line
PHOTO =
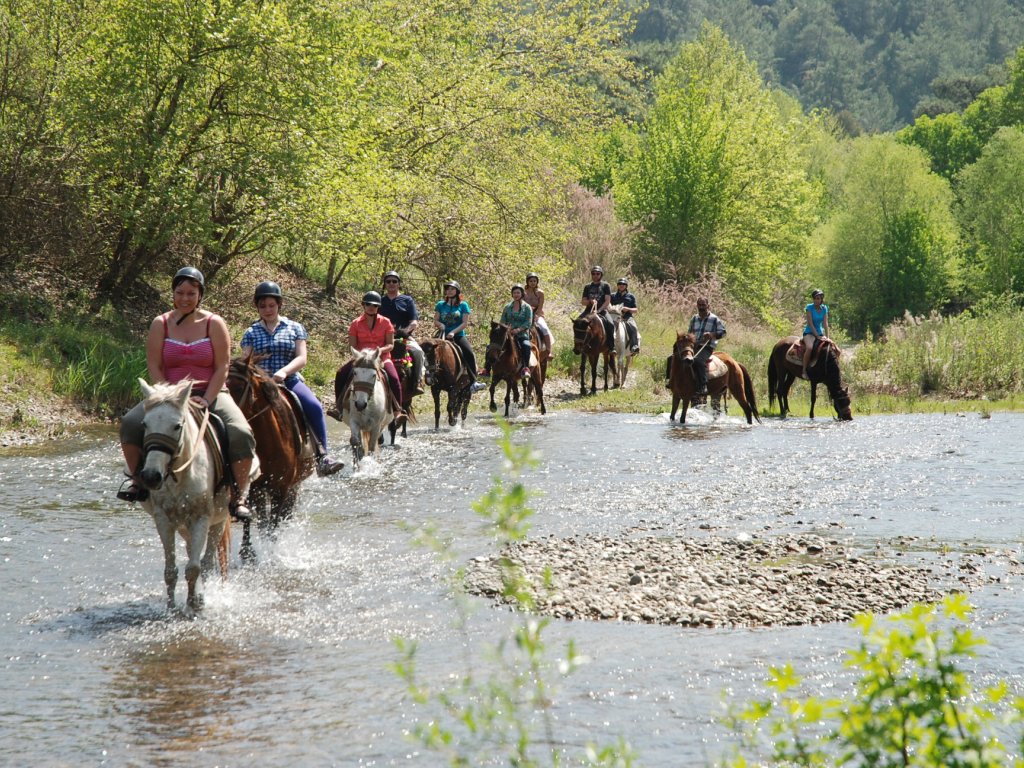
[(494, 384), (583, 373), (437, 406), (593, 373), (199, 532), (166, 530), (538, 387), (814, 396), (675, 406), (508, 396), (608, 360), (211, 553)]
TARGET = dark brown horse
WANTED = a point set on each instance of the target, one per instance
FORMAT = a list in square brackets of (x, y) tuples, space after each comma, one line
[(445, 372), (284, 443), (824, 369), (590, 343), (736, 379), (404, 366), (506, 366)]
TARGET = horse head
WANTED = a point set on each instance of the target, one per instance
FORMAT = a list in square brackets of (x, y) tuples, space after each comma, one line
[(683, 349), (833, 379), (246, 377), (587, 332), (166, 429), (366, 370)]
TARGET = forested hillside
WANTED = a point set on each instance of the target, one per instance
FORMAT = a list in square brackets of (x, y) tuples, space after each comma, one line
[(876, 63)]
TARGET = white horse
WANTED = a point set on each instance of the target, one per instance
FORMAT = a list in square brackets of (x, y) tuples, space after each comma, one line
[(179, 471), (368, 409), (621, 340)]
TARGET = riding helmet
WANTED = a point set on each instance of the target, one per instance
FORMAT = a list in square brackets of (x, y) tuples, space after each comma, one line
[(517, 285), (393, 274), (371, 297), (817, 292), (596, 268), (268, 288), (622, 281), (533, 275), (189, 273), (453, 284)]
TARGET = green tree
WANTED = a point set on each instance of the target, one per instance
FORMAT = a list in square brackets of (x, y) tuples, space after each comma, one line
[(991, 191), (892, 242), (718, 181)]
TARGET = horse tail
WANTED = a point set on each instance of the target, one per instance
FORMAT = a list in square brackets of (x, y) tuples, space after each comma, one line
[(748, 391), (772, 379), (223, 547)]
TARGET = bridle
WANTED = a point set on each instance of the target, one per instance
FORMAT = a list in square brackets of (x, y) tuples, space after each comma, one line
[(158, 441), (248, 397)]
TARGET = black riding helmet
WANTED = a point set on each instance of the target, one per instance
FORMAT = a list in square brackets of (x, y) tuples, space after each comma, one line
[(189, 273), (453, 284), (596, 268), (622, 281), (268, 288), (817, 292), (393, 274), (371, 297)]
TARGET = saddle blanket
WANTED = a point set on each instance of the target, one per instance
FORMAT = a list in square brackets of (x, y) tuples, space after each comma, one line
[(716, 368), (795, 354)]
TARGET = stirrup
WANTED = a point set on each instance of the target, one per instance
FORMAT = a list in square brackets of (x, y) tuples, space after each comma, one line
[(239, 510)]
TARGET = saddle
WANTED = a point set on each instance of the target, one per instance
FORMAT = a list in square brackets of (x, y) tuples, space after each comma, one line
[(795, 354), (716, 368), (216, 438)]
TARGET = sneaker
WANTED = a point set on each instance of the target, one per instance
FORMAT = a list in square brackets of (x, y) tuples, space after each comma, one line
[(325, 466), (240, 511), (476, 386), (417, 390), (634, 350), (525, 373), (400, 418), (132, 492)]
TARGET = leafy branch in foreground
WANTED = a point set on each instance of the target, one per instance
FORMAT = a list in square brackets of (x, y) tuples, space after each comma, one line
[(500, 713), (912, 706)]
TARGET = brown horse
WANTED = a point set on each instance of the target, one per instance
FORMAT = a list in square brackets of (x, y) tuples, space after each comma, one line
[(284, 443), (544, 351), (824, 369), (404, 366), (590, 343), (506, 365), (735, 379), (445, 372)]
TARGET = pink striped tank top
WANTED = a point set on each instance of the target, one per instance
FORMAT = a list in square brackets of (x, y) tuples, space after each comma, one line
[(188, 359)]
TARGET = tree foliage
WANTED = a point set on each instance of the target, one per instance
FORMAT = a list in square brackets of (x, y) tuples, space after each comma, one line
[(893, 240), (717, 182)]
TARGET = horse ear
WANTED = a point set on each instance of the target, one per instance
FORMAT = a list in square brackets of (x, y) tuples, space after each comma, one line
[(147, 391), (185, 392)]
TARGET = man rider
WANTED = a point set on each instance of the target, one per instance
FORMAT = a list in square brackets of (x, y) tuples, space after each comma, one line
[(707, 329), (626, 301), (598, 291), (400, 309)]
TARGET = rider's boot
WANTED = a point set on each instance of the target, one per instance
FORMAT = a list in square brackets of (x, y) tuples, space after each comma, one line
[(417, 374), (132, 489), (238, 507), (326, 466)]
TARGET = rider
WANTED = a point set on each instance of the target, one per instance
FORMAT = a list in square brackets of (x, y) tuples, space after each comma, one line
[(627, 302), (284, 341), (451, 316), (599, 292), (707, 329), (191, 343), (371, 331), (518, 317), (534, 296), (817, 324), (400, 309)]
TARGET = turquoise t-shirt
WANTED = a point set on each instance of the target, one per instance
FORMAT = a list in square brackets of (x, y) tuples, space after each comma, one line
[(817, 317), (452, 317)]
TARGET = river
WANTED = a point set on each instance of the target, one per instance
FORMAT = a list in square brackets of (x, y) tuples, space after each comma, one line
[(289, 662)]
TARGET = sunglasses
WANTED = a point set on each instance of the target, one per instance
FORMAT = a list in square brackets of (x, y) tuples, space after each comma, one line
[(392, 280)]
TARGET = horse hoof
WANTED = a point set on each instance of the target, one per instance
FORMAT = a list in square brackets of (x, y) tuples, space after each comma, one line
[(493, 407), (248, 554)]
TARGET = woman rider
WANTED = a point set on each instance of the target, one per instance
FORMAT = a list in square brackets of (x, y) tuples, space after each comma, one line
[(518, 317), (373, 331), (191, 343), (284, 340), (451, 316), (817, 324), (534, 296)]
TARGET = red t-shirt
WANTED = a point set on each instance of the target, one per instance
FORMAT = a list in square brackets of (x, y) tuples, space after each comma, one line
[(369, 338)]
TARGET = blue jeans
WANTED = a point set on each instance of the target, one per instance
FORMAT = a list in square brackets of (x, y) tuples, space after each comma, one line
[(312, 408)]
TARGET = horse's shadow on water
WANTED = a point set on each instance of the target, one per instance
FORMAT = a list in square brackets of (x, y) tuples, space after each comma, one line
[(114, 618)]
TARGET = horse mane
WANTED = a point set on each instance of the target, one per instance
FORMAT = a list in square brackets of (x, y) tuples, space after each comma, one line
[(362, 357), (249, 364), (164, 393)]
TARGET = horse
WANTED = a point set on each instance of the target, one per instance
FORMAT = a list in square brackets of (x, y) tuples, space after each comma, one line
[(506, 366), (367, 408), (544, 350), (824, 368), (445, 372), (403, 363), (285, 444), (589, 342), (623, 356), (185, 494), (731, 376)]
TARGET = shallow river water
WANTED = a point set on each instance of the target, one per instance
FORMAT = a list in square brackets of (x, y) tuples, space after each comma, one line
[(289, 662)]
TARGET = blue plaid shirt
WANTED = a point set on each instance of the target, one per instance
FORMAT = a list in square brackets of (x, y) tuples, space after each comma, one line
[(280, 345)]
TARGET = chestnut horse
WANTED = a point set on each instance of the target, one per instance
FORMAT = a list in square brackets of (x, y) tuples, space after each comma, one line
[(736, 380), (506, 365), (403, 364), (285, 444), (445, 372), (824, 369), (590, 343)]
